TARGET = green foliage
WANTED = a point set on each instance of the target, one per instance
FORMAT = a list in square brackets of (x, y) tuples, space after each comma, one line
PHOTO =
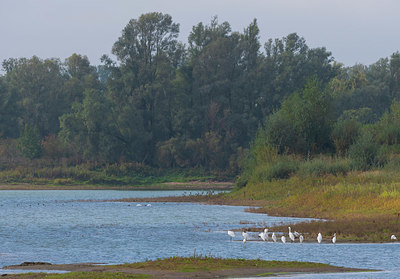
[(168, 105), (344, 134), (321, 167), (303, 124), (280, 170), (364, 152), (30, 143)]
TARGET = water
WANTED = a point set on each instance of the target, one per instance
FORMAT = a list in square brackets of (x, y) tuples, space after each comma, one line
[(58, 227)]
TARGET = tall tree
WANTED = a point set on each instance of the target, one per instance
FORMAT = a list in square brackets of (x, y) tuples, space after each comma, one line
[(149, 53), (38, 85)]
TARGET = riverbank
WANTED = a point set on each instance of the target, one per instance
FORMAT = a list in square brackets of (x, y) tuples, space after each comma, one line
[(359, 207), (178, 267), (189, 185)]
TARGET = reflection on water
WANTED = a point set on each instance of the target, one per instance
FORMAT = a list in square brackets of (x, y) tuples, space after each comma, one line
[(51, 226)]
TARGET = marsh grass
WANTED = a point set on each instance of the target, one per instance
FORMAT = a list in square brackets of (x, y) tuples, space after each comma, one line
[(92, 174), (358, 229), (204, 263)]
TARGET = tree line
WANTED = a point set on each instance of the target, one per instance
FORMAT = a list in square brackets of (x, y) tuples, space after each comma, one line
[(167, 104)]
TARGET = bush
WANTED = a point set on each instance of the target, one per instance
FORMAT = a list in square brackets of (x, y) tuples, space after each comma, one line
[(364, 152), (344, 134), (321, 167), (280, 170)]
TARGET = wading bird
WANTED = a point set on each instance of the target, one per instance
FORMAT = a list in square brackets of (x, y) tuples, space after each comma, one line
[(273, 237), (291, 235), (245, 235), (393, 237), (283, 238), (262, 235), (266, 234), (334, 238), (319, 238), (301, 238), (231, 234)]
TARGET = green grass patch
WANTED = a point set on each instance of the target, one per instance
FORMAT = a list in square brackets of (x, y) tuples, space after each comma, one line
[(192, 264)]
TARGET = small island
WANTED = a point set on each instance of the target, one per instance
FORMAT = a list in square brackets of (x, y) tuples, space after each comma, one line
[(178, 267)]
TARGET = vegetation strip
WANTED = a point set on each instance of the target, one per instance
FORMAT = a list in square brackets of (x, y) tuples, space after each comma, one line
[(180, 267)]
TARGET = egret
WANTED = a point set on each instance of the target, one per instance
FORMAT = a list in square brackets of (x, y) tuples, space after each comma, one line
[(245, 235), (273, 237), (148, 204), (231, 234), (244, 240), (319, 238), (262, 235), (283, 238), (393, 237), (138, 204), (296, 234), (334, 238), (291, 235), (301, 238), (266, 234)]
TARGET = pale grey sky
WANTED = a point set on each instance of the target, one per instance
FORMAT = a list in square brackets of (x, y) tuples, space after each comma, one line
[(355, 31)]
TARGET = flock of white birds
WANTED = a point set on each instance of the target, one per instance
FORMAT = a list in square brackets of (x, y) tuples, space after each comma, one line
[(292, 236)]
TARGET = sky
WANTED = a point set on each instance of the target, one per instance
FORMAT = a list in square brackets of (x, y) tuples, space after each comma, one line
[(355, 31)]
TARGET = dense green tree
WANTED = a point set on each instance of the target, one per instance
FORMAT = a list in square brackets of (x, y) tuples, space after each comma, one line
[(38, 85), (304, 123), (9, 111), (30, 143)]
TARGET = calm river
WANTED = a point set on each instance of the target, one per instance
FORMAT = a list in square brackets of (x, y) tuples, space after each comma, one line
[(57, 227)]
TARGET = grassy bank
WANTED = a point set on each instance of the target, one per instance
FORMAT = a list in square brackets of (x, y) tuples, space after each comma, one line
[(362, 205), (181, 267), (94, 174)]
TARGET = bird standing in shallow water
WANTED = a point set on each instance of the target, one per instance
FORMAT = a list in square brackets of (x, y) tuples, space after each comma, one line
[(334, 238), (273, 237), (262, 235), (291, 235), (231, 234), (301, 238), (245, 235), (393, 237), (283, 238), (319, 238)]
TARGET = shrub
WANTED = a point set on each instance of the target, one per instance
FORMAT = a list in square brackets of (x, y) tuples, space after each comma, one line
[(321, 167), (344, 134), (280, 170), (363, 153)]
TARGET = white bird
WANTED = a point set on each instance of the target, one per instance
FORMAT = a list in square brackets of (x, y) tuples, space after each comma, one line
[(245, 235), (148, 204), (273, 237), (244, 240), (319, 238), (231, 234), (301, 238), (393, 237), (296, 234), (138, 204), (334, 238), (291, 235), (283, 238), (266, 234), (262, 235)]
